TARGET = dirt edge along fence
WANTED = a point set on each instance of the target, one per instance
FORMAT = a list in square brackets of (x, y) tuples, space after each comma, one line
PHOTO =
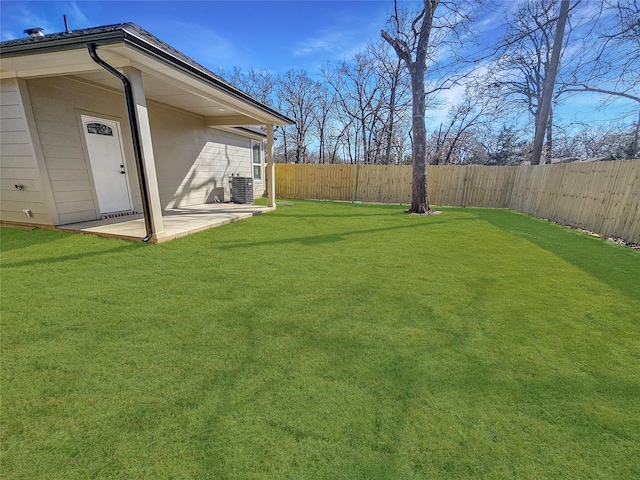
[(603, 197)]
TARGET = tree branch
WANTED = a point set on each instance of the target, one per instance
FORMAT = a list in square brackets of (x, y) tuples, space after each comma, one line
[(586, 88), (399, 46)]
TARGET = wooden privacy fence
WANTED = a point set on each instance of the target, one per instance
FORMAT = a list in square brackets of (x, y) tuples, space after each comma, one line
[(603, 197), (448, 185)]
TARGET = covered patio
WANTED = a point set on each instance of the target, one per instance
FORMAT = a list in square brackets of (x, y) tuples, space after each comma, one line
[(111, 120), (178, 222)]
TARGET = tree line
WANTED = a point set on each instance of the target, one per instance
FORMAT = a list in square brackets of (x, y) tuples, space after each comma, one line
[(359, 109)]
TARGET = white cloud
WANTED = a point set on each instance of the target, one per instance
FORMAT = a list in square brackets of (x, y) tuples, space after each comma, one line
[(330, 45), (348, 34), (23, 18), (322, 44), (188, 38), (77, 16)]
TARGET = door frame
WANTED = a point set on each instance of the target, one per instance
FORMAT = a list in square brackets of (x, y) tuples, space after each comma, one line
[(90, 116)]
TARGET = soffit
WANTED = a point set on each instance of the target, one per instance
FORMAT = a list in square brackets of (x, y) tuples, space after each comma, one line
[(163, 83)]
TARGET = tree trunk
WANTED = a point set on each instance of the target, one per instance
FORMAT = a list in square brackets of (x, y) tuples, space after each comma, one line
[(634, 148), (284, 140), (321, 158), (299, 155), (435, 159), (549, 84), (548, 148), (365, 149), (419, 198), (392, 109)]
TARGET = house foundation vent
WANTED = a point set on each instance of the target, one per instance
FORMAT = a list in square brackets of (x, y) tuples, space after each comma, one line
[(242, 189), (116, 215)]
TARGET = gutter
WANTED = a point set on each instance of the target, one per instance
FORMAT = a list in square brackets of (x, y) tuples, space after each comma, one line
[(135, 137)]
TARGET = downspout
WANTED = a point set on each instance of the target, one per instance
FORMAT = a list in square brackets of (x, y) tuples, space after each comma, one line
[(135, 137)]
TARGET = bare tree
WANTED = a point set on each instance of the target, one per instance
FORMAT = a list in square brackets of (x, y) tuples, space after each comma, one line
[(609, 61), (527, 58), (604, 57), (412, 48), (395, 89), (612, 142), (357, 85), (322, 121), (482, 104), (544, 111), (430, 45), (259, 83), (298, 97)]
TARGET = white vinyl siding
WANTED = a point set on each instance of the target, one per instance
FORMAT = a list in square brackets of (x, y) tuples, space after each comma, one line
[(193, 161), (18, 162), (57, 103)]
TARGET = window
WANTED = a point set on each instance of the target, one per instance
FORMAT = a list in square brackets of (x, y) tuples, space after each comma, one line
[(256, 156), (99, 129)]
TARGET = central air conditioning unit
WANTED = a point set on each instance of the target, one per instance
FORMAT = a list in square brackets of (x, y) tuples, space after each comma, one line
[(242, 189)]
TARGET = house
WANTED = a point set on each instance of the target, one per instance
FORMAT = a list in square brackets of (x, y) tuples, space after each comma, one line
[(109, 121)]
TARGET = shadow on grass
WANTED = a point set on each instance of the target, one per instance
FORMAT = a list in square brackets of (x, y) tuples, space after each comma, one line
[(322, 239), (617, 266), (17, 238), (357, 211), (18, 241), (342, 215)]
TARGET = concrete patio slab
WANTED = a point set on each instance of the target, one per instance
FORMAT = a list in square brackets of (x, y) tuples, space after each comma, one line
[(178, 222)]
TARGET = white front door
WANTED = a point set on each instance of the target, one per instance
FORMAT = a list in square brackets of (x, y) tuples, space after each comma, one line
[(107, 164)]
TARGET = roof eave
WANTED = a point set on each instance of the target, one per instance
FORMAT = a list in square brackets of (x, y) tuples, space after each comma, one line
[(227, 88), (122, 35), (61, 44)]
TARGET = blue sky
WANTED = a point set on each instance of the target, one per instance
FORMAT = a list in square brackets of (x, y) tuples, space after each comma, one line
[(277, 35)]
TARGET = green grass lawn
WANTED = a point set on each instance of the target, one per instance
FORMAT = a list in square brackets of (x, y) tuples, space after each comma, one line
[(323, 340)]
